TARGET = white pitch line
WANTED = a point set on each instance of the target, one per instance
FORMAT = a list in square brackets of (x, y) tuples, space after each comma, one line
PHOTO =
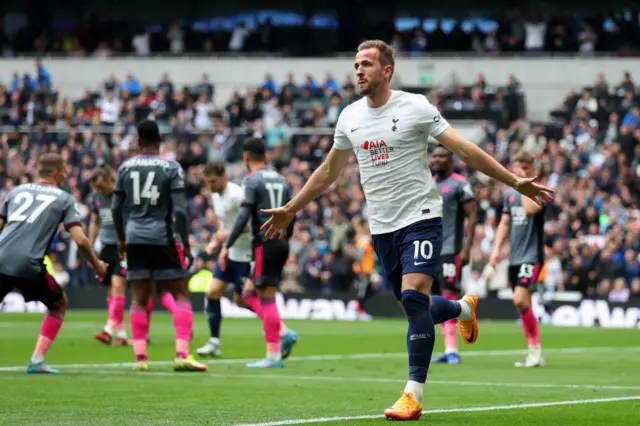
[(452, 410), (259, 376), (508, 352)]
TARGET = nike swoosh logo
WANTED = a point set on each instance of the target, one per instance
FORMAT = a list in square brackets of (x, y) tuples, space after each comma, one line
[(419, 263), (473, 335), (353, 130)]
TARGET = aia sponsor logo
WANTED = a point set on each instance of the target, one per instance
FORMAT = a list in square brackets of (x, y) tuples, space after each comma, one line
[(379, 152)]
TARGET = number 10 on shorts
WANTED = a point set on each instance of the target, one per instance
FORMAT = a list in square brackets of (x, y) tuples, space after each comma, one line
[(422, 250)]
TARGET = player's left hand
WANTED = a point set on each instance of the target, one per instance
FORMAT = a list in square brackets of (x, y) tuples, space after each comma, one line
[(122, 250), (538, 193), (223, 258)]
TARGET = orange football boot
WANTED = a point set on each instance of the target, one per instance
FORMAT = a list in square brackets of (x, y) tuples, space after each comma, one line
[(469, 328), (405, 408)]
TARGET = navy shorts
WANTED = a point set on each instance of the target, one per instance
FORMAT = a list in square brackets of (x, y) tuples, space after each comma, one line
[(412, 249), (235, 273)]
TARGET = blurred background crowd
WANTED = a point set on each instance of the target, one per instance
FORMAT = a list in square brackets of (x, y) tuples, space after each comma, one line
[(588, 149)]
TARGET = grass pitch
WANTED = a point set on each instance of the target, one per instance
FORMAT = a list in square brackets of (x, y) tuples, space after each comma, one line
[(341, 373)]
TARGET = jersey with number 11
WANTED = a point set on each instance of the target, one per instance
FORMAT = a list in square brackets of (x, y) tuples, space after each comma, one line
[(146, 183)]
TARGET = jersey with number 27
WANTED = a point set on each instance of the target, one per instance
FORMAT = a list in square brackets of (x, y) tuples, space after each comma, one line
[(264, 189), (146, 183), (32, 213)]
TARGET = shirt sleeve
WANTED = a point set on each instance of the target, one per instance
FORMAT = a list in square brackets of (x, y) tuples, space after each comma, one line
[(177, 179), (94, 205), (118, 189), (430, 121), (4, 209), (72, 216), (505, 204), (466, 192), (340, 139), (249, 187)]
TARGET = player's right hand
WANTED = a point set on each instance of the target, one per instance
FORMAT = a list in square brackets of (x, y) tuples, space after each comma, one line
[(101, 268), (278, 223), (494, 259), (122, 250), (189, 258)]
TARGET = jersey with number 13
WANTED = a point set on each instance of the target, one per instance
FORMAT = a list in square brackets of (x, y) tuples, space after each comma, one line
[(146, 183), (264, 189)]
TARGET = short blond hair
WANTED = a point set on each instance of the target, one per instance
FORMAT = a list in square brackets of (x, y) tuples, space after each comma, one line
[(48, 163), (387, 53), (524, 157)]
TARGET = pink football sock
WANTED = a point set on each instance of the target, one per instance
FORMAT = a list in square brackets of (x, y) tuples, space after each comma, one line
[(530, 327), (253, 302), (139, 320), (449, 331), (167, 300), (116, 312), (149, 307), (183, 323), (450, 335), (271, 323), (48, 331)]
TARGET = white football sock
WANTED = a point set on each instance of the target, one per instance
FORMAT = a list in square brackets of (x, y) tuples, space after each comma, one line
[(274, 356), (416, 388), (108, 330), (37, 358), (214, 341), (465, 311)]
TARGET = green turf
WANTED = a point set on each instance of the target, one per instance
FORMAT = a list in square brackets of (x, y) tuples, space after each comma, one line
[(364, 377)]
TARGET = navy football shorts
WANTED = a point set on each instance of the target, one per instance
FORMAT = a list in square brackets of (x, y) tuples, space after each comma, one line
[(412, 249)]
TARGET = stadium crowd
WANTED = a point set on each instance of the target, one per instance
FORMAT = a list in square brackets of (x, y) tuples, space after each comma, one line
[(505, 31), (589, 152)]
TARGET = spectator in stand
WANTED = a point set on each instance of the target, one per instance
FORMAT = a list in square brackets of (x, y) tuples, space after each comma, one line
[(594, 165), (131, 85)]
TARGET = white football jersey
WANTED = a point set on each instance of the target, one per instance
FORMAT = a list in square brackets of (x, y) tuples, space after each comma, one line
[(226, 206), (390, 143)]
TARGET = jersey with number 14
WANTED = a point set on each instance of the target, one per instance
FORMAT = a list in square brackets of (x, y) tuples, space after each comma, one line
[(32, 213), (264, 189), (146, 183)]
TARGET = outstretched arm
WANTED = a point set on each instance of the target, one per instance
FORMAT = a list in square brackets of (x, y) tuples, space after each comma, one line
[(475, 157), (281, 218), (320, 180)]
